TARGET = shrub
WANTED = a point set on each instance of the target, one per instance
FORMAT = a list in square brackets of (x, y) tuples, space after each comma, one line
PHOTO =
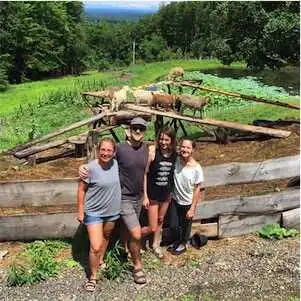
[(274, 231), (35, 263)]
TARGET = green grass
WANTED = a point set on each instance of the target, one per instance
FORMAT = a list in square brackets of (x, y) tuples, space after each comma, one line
[(37, 262), (33, 109)]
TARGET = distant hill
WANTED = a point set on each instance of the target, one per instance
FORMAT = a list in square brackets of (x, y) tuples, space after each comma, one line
[(98, 12)]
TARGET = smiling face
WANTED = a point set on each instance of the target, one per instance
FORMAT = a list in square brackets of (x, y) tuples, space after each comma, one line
[(164, 142), (186, 149), (137, 132), (106, 151)]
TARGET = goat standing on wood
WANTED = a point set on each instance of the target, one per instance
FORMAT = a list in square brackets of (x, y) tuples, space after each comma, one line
[(175, 72), (143, 97), (118, 98), (165, 101), (196, 103)]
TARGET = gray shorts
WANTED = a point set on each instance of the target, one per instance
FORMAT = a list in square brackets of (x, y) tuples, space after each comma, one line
[(130, 211)]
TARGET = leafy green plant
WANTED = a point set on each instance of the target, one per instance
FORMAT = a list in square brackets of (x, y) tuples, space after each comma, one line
[(274, 231), (37, 262), (115, 266)]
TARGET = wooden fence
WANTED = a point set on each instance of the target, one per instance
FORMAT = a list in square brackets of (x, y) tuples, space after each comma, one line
[(43, 209)]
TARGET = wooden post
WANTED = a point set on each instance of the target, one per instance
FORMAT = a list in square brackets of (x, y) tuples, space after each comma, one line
[(182, 127), (158, 124), (92, 145)]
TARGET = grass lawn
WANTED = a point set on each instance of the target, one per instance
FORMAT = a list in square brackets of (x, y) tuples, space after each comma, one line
[(32, 109)]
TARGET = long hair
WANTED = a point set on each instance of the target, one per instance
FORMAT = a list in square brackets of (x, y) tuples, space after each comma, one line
[(168, 131)]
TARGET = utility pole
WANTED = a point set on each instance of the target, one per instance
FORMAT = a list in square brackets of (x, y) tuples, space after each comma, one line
[(134, 46)]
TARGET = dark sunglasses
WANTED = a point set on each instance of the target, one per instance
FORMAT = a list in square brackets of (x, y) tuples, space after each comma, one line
[(138, 127)]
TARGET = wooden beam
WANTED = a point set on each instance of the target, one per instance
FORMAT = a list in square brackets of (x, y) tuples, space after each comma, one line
[(68, 128), (209, 229), (238, 173), (239, 95), (226, 124), (291, 219), (56, 191), (259, 204), (37, 149), (234, 225), (61, 225), (38, 192)]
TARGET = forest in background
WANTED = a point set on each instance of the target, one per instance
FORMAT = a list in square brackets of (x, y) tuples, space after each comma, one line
[(44, 39)]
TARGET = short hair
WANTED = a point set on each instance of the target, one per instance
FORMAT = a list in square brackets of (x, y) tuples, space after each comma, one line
[(170, 132), (107, 139), (193, 143)]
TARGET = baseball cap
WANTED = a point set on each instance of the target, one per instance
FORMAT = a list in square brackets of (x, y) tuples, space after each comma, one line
[(138, 121)]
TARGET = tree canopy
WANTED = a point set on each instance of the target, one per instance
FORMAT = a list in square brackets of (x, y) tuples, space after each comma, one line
[(44, 38)]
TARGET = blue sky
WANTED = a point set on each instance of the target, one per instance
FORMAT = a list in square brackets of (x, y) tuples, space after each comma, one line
[(125, 4)]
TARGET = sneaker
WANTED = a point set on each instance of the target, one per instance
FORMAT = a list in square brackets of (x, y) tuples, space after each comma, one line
[(180, 249)]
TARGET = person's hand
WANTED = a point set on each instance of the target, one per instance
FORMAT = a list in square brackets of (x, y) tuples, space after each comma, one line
[(80, 217), (190, 213), (83, 171), (146, 203)]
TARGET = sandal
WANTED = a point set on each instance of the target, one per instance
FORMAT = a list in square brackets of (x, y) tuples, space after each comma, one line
[(139, 276), (158, 252), (90, 286)]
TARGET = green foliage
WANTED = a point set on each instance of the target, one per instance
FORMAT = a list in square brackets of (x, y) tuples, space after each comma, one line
[(33, 109), (37, 262), (46, 38), (189, 297), (115, 266), (274, 231)]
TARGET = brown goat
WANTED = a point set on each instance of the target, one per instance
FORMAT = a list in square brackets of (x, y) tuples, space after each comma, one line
[(165, 101), (196, 103)]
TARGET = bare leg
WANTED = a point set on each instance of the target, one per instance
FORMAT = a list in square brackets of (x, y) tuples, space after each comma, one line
[(95, 233), (135, 246), (152, 220), (107, 230), (161, 214)]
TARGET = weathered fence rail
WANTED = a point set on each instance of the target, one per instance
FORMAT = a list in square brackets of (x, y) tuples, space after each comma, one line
[(46, 208)]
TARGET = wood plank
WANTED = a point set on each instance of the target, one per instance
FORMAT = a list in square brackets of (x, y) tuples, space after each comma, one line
[(226, 124), (30, 227), (236, 173), (38, 193), (239, 95), (67, 129), (37, 149), (235, 225), (209, 229), (291, 219), (268, 203), (54, 191)]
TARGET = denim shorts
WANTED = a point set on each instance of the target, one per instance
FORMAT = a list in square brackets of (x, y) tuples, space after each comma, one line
[(97, 219)]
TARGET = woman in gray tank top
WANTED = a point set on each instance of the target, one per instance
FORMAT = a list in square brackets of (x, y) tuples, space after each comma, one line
[(98, 203)]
